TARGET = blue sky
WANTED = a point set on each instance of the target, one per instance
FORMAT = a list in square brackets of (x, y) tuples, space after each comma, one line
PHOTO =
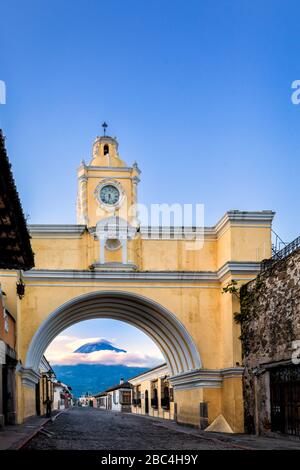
[(197, 92)]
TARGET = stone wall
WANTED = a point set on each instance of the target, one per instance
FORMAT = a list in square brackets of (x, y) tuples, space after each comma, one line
[(270, 323)]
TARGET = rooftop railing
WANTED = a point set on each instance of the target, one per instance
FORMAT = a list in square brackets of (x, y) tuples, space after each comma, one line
[(281, 254)]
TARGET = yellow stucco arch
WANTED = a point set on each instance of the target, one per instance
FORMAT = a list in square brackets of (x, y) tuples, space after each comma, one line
[(169, 334)]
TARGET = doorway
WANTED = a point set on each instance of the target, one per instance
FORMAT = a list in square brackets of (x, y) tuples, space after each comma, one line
[(109, 402), (285, 400), (9, 390)]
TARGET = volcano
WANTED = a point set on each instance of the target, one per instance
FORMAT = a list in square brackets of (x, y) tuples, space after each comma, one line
[(98, 346)]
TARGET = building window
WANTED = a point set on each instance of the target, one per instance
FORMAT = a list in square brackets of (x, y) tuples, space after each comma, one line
[(106, 149), (154, 395), (126, 398), (137, 396), (165, 399), (101, 402)]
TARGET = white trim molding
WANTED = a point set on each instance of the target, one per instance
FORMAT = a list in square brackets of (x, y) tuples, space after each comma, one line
[(236, 268), (56, 231), (234, 218), (121, 272), (197, 379), (29, 376), (120, 275), (204, 378), (109, 168)]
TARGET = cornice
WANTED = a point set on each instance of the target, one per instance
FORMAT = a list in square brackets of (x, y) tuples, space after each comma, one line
[(121, 275), (197, 379), (115, 177), (236, 268), (124, 274), (236, 217), (29, 377), (232, 372), (56, 231), (109, 168), (204, 378)]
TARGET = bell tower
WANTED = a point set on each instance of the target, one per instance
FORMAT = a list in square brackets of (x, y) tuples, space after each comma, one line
[(107, 196)]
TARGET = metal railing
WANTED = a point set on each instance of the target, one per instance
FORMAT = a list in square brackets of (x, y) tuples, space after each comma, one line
[(281, 254), (277, 243)]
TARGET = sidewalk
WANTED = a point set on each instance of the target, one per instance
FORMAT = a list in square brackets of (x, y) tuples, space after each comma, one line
[(14, 437), (240, 441), (237, 441)]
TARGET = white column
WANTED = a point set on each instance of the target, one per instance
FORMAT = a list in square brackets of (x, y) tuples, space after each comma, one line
[(124, 251), (102, 253)]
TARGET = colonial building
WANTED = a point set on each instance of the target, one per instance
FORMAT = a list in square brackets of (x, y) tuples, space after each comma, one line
[(62, 396), (270, 320), (153, 394), (15, 254), (116, 398), (165, 280), (44, 389)]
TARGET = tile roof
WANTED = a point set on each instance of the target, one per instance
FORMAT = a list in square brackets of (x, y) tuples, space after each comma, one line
[(15, 248)]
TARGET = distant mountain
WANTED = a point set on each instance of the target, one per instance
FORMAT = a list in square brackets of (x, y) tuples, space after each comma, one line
[(94, 378), (98, 346)]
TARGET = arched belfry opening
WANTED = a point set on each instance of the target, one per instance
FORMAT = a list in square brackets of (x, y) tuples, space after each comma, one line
[(169, 334), (106, 149)]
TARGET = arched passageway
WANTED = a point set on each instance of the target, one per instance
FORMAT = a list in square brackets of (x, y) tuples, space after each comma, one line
[(174, 341)]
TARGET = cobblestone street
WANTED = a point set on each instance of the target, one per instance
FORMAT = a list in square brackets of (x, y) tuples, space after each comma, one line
[(92, 429)]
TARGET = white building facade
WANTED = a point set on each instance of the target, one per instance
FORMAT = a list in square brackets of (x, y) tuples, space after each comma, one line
[(117, 398)]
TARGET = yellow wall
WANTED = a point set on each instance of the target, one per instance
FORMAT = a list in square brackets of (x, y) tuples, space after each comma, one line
[(28, 403), (243, 243), (188, 404), (157, 255), (232, 403)]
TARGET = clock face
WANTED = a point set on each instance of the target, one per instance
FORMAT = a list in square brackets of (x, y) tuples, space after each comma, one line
[(109, 194)]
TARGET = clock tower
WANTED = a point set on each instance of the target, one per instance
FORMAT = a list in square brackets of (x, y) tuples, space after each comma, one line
[(107, 198)]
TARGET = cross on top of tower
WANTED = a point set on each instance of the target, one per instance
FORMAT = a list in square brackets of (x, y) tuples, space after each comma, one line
[(104, 125)]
